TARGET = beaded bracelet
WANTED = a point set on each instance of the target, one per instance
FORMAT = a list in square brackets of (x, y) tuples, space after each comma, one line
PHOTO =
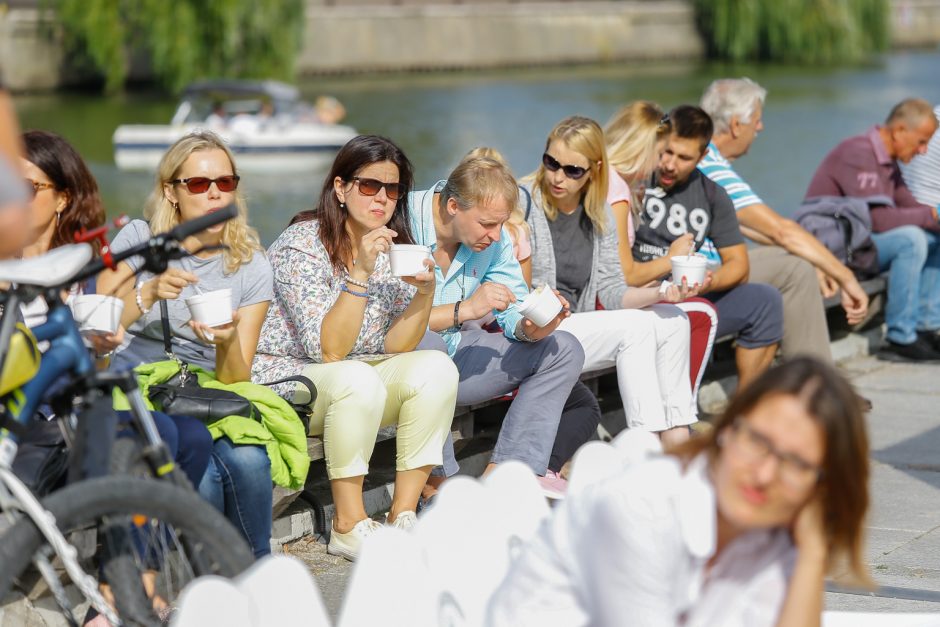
[(359, 294), (361, 284), (140, 299)]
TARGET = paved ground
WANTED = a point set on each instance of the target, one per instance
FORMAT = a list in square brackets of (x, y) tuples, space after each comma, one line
[(904, 526)]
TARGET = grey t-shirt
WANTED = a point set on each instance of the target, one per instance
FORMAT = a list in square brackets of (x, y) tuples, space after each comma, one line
[(699, 206), (252, 283), (573, 243)]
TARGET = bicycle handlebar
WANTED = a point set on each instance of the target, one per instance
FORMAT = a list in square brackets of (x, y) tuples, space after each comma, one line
[(184, 230), (161, 248)]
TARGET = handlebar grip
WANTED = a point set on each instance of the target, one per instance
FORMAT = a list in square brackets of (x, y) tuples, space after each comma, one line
[(184, 230)]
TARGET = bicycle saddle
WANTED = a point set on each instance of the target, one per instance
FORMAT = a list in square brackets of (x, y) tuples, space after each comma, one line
[(54, 268)]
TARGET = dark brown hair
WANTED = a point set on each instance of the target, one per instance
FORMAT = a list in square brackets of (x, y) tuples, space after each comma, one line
[(66, 170), (835, 406), (691, 122), (358, 153)]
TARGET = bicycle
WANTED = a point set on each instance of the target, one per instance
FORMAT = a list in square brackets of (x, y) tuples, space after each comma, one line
[(130, 524)]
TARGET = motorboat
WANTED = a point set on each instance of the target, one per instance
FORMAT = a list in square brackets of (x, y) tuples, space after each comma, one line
[(265, 123)]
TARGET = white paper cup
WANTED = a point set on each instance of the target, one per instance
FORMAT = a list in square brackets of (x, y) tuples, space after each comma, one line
[(692, 268), (540, 306), (211, 308), (97, 313), (408, 259)]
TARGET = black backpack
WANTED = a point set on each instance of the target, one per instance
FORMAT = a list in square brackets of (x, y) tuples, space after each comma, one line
[(843, 225)]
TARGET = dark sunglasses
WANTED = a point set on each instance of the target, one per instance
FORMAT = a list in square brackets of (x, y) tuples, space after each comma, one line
[(571, 171), (35, 187), (664, 121), (201, 184), (371, 187)]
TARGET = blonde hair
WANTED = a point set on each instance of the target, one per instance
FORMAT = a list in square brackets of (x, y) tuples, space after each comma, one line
[(583, 135), (631, 136), (516, 222), (477, 180), (240, 239)]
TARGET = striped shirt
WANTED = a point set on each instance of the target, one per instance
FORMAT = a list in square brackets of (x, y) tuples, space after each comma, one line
[(922, 174), (718, 169), (496, 263)]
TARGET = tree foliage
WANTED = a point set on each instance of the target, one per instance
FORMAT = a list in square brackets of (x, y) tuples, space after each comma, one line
[(185, 39), (796, 31)]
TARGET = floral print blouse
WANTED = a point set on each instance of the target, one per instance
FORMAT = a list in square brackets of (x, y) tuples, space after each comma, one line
[(305, 289)]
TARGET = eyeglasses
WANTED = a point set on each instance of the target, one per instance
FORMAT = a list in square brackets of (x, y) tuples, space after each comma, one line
[(571, 171), (371, 187), (201, 184), (794, 471), (37, 187)]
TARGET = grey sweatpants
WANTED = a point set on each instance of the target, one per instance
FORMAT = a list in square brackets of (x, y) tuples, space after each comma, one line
[(804, 318), (490, 365)]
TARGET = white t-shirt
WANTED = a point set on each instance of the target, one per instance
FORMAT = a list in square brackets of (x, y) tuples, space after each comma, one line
[(632, 551)]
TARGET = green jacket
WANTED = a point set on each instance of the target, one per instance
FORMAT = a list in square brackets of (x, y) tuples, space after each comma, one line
[(280, 430)]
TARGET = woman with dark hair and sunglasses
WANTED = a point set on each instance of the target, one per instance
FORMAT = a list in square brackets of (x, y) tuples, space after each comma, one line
[(575, 250), (737, 528), (196, 176), (341, 318)]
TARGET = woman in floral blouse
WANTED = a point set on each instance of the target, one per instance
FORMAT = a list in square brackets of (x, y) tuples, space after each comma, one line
[(343, 320)]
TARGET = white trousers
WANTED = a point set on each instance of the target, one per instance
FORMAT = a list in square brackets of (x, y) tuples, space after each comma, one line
[(650, 348)]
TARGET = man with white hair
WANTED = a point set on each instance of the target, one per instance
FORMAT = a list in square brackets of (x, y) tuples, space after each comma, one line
[(791, 259), (905, 231), (922, 174)]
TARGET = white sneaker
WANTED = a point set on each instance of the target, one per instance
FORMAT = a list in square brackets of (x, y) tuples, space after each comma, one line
[(348, 544), (405, 521)]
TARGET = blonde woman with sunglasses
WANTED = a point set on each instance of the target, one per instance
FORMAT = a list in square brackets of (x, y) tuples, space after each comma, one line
[(575, 250), (196, 176)]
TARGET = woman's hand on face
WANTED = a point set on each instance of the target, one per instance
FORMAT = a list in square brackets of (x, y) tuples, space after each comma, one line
[(809, 529), (424, 281), (218, 336), (170, 284), (372, 243)]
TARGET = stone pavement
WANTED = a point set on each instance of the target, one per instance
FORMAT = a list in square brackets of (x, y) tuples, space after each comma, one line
[(904, 524)]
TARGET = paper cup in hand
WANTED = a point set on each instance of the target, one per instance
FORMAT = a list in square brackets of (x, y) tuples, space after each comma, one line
[(408, 259), (212, 309), (689, 267), (540, 306), (97, 313)]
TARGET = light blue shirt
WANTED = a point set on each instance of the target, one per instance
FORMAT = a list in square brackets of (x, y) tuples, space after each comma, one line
[(496, 263), (718, 169)]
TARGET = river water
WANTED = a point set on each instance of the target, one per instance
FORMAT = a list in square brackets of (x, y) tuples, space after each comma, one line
[(436, 118)]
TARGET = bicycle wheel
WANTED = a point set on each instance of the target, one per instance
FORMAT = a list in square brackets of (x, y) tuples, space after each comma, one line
[(146, 539)]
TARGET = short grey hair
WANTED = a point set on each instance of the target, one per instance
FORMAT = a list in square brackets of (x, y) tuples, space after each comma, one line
[(726, 98)]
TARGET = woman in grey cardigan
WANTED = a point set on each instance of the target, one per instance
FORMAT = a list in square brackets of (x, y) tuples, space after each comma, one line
[(574, 249)]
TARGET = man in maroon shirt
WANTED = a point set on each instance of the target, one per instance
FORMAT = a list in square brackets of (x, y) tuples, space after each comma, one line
[(906, 232)]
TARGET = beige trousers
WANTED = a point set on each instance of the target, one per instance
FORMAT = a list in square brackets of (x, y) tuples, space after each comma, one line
[(417, 391), (804, 318)]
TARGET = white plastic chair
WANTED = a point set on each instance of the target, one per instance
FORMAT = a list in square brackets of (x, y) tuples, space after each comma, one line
[(446, 570), (275, 591), (389, 584)]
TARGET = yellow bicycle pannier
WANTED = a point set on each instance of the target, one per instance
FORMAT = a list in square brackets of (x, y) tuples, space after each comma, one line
[(22, 360)]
